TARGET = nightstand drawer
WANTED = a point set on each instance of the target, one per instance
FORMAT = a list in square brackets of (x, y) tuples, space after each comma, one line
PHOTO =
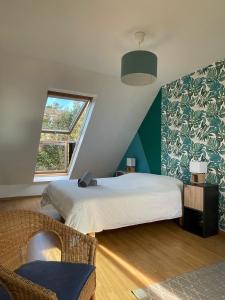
[(193, 197)]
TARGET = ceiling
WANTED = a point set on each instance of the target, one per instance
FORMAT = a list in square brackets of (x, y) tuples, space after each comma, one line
[(94, 34)]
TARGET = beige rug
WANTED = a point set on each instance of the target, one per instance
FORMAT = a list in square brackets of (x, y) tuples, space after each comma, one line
[(207, 283)]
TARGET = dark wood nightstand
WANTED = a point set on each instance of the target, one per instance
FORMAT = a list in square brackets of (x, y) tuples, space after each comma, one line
[(200, 209), (119, 173)]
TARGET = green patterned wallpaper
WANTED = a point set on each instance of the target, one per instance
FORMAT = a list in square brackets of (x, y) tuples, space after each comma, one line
[(193, 126)]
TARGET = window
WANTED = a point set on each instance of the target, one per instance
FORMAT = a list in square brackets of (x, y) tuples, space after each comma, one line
[(63, 121)]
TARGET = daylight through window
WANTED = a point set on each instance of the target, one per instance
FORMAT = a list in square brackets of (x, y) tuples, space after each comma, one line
[(63, 121)]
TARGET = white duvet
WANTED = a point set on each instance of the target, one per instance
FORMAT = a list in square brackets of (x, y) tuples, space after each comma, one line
[(116, 202)]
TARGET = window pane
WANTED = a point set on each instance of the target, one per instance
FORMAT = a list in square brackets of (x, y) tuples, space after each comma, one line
[(52, 157), (61, 114)]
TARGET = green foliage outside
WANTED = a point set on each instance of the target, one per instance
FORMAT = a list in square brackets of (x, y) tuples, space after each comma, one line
[(61, 117), (51, 158)]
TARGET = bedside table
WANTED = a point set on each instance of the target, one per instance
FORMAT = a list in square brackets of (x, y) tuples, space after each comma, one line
[(200, 209), (119, 173)]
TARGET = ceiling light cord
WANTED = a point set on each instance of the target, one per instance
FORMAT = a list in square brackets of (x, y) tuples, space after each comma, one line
[(139, 37)]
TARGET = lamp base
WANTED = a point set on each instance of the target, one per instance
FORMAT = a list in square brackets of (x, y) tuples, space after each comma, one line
[(198, 177), (130, 169)]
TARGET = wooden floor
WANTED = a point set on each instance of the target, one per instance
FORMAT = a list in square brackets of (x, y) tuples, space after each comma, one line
[(134, 257)]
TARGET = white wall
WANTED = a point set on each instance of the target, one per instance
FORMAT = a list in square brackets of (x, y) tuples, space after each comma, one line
[(24, 83)]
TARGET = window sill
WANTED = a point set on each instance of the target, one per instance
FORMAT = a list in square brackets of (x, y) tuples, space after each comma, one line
[(46, 178)]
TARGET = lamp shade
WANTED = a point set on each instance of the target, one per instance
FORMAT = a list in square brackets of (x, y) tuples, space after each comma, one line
[(139, 67), (198, 167), (131, 162)]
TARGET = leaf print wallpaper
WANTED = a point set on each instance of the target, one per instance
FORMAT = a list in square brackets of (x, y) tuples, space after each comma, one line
[(193, 126)]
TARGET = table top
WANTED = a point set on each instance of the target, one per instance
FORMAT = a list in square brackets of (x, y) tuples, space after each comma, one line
[(205, 184)]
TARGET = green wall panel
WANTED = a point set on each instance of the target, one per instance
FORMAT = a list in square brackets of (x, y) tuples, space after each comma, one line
[(136, 150), (146, 145), (150, 135)]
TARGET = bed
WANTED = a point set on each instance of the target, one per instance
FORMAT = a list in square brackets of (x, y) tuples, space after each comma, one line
[(116, 202)]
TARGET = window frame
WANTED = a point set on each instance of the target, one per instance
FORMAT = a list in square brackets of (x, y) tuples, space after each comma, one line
[(63, 95)]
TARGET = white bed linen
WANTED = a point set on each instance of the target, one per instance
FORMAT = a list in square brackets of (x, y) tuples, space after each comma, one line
[(116, 202)]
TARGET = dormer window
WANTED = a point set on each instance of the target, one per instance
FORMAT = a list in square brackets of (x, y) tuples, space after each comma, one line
[(63, 121)]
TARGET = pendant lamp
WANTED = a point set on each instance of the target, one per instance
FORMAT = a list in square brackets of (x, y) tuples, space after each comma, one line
[(139, 67)]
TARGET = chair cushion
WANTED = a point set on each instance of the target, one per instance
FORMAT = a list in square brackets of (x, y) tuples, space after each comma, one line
[(3, 294), (65, 279)]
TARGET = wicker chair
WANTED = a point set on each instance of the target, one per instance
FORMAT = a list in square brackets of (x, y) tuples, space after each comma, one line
[(16, 229)]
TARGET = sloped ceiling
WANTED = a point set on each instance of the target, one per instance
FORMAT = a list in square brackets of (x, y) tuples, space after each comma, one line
[(77, 46)]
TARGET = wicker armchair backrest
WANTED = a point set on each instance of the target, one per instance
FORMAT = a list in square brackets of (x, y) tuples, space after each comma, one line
[(16, 229)]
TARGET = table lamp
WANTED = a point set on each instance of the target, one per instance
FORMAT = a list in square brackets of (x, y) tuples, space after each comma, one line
[(131, 163), (198, 171)]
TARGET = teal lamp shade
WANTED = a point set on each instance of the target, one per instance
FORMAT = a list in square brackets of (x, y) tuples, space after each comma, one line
[(139, 67)]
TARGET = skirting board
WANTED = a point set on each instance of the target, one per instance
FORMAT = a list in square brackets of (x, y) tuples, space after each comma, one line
[(22, 190)]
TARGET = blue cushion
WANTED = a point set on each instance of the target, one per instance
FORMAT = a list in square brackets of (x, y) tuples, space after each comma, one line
[(65, 279), (3, 294)]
